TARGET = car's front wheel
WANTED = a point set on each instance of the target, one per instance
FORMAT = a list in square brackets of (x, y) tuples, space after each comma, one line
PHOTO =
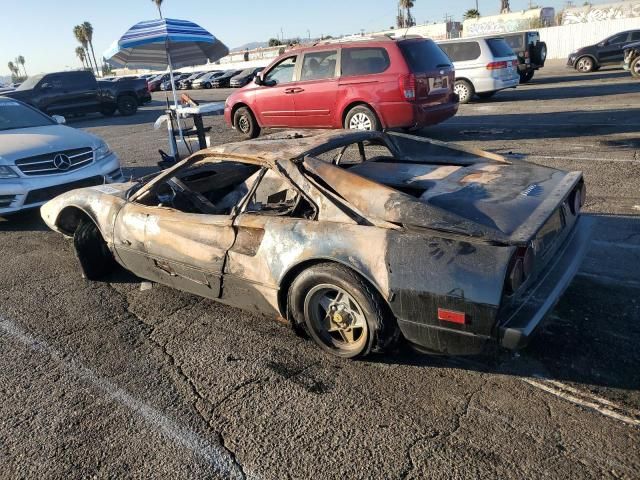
[(127, 105), (585, 64), (635, 67), (95, 258), (361, 118), (246, 123), (341, 312), (464, 89)]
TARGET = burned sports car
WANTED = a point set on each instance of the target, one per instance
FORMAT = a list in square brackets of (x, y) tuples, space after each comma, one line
[(356, 238)]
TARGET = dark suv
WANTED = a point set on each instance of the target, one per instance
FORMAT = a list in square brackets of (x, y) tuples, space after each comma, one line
[(609, 51), (371, 84), (531, 52)]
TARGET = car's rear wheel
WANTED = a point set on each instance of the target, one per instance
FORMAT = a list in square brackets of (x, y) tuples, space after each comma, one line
[(95, 258), (246, 123), (585, 64), (341, 312), (207, 85), (525, 77), (108, 110), (361, 118), (635, 67), (127, 105), (464, 90)]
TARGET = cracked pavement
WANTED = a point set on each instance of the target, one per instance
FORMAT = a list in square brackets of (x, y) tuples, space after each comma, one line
[(106, 380)]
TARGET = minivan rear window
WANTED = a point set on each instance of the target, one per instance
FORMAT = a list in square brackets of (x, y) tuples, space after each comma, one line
[(461, 51), (423, 55), (364, 61), (499, 48)]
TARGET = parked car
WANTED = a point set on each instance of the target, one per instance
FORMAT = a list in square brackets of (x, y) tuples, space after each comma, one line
[(609, 51), (224, 81), (244, 77), (205, 80), (185, 83), (531, 52), (79, 92), (371, 84), (177, 77), (632, 59), (40, 158), (157, 81), (356, 238), (483, 66)]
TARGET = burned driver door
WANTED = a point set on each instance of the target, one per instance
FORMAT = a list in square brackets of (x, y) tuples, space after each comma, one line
[(179, 233)]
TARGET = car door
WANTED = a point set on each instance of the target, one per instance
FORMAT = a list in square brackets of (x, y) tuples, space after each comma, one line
[(315, 93), (182, 250), (51, 96), (611, 52), (82, 93), (274, 103)]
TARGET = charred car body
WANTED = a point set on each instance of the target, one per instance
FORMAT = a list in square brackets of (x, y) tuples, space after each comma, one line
[(354, 237)]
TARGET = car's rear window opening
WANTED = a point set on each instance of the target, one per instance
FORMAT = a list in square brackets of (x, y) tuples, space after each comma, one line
[(499, 48), (461, 51), (423, 55)]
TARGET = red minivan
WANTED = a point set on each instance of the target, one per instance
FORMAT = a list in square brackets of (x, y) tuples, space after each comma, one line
[(371, 84)]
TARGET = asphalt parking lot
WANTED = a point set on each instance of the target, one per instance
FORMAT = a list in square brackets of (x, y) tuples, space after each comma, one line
[(109, 380)]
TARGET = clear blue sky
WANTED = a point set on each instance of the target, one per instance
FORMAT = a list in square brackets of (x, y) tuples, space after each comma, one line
[(41, 30)]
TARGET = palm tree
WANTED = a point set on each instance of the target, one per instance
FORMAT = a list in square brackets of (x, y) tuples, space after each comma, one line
[(78, 31), (405, 19), (21, 61), (504, 6), (80, 53), (87, 29), (471, 13), (158, 4)]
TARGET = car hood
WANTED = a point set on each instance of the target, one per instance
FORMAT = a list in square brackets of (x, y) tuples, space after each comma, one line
[(28, 142), (500, 202)]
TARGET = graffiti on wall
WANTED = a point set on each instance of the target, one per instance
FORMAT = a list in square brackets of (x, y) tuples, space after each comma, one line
[(599, 13), (509, 22)]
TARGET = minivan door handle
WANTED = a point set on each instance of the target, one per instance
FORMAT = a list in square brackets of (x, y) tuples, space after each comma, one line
[(294, 90)]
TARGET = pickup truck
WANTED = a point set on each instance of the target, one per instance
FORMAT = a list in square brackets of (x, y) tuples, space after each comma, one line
[(79, 92)]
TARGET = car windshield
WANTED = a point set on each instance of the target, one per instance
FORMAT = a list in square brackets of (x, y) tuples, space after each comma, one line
[(499, 47), (423, 55), (14, 115), (30, 82)]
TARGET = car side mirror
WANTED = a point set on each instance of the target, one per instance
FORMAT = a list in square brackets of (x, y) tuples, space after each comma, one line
[(258, 80), (60, 120)]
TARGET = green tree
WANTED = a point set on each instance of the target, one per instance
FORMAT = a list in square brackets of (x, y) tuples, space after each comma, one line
[(471, 13), (21, 61), (504, 6), (274, 42), (87, 29), (158, 4), (78, 32), (81, 54), (106, 68)]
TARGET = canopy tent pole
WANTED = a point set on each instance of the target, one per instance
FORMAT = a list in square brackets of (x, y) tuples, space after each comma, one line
[(175, 100)]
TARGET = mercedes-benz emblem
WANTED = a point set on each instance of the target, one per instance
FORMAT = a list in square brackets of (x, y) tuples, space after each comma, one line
[(62, 162)]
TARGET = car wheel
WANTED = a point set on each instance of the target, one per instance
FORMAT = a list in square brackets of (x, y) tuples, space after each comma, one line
[(485, 95), (464, 90), (95, 258), (108, 110), (635, 67), (585, 64), (127, 105), (207, 85), (525, 77), (341, 312), (246, 123), (361, 118)]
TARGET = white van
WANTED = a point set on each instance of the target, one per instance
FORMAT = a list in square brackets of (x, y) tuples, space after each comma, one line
[(483, 66)]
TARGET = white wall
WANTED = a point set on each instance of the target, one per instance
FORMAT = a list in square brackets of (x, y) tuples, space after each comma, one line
[(563, 40)]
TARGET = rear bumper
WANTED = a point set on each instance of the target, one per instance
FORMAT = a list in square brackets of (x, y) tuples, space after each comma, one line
[(517, 329), (494, 84), (406, 114)]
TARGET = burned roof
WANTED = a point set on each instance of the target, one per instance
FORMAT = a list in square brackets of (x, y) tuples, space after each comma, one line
[(292, 144)]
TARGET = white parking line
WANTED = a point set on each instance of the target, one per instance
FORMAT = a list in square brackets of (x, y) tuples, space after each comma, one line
[(218, 458), (600, 405)]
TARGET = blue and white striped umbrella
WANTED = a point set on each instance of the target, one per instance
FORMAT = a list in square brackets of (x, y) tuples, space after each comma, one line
[(165, 42)]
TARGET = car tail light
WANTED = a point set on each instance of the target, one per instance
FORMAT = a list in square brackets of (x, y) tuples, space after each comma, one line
[(520, 267), (408, 87), (452, 316), (577, 199), (514, 63), (497, 65)]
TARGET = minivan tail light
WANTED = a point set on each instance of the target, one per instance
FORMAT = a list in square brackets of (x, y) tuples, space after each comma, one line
[(497, 65), (408, 87)]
